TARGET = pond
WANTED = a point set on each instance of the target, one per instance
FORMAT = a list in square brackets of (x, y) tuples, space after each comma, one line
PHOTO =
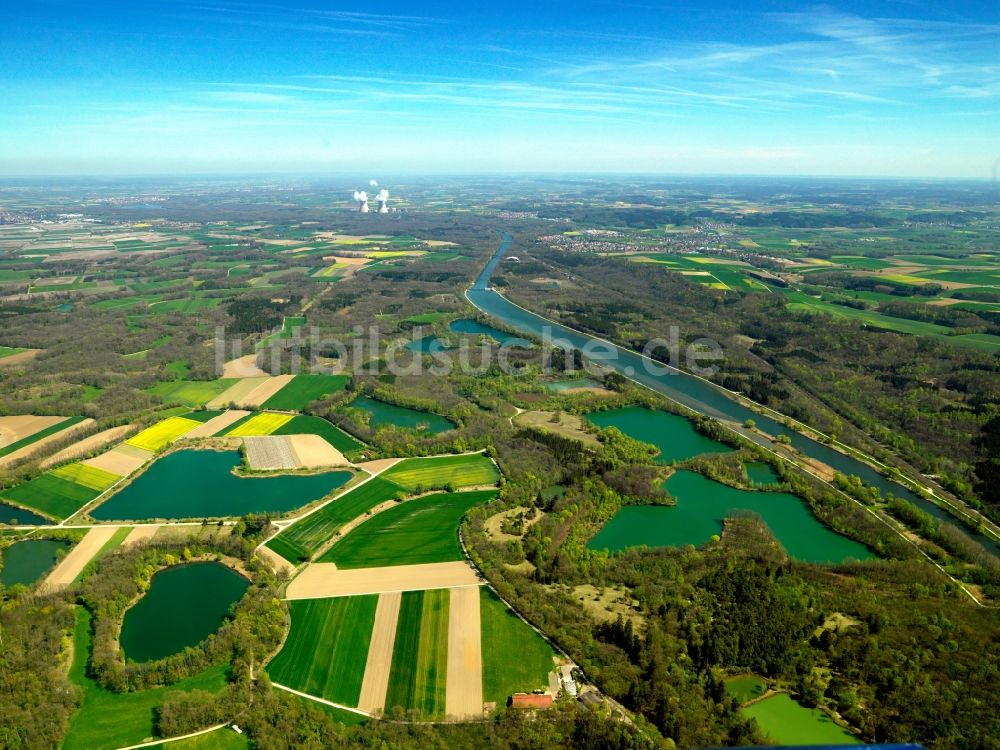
[(384, 414), (19, 516), (788, 723), (184, 605), (569, 385), (762, 474), (675, 436), (703, 504), (26, 562), (474, 327), (200, 484)]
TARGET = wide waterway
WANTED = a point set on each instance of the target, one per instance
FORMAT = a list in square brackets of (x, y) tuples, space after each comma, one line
[(696, 394)]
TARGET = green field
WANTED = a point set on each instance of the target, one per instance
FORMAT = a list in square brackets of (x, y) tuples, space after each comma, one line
[(420, 654), (51, 430), (424, 530), (745, 687), (52, 495), (88, 476), (191, 392), (327, 647), (516, 659), (305, 388), (307, 425), (221, 739), (112, 720), (444, 472), (788, 723), (7, 351), (301, 540)]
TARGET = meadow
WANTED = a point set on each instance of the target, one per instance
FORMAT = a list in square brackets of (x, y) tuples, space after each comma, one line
[(788, 723), (107, 720), (327, 648), (191, 392), (515, 657), (303, 389), (58, 494), (420, 654), (301, 540), (424, 530), (444, 472)]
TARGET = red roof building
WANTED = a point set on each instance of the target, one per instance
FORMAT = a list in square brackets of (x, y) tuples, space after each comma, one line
[(531, 700)]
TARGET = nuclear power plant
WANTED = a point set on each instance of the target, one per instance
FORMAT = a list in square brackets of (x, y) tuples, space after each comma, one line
[(382, 198)]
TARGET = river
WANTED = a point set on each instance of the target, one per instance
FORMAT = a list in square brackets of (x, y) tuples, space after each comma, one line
[(698, 395)]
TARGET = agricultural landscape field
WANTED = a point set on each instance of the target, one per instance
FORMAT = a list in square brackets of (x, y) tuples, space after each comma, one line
[(220, 504)]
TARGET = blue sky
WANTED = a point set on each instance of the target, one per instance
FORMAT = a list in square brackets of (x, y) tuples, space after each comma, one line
[(902, 88)]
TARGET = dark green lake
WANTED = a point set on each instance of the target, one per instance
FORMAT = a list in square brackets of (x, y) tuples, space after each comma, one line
[(675, 436), (383, 414), (25, 562), (427, 345), (474, 327), (200, 484), (18, 516), (701, 507), (184, 605)]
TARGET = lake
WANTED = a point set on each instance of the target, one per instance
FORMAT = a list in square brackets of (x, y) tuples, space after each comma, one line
[(427, 345), (184, 605), (200, 484), (26, 562), (675, 436), (703, 504), (762, 474), (788, 723), (13, 515), (384, 414), (474, 327)]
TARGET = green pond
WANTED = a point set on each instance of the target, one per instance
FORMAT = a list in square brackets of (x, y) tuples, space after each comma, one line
[(567, 385), (200, 484), (184, 605), (703, 504), (25, 562), (383, 415), (474, 327), (675, 436), (13, 515), (762, 474), (788, 723)]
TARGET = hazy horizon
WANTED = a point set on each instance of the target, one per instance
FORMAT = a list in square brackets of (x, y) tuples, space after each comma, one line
[(898, 90)]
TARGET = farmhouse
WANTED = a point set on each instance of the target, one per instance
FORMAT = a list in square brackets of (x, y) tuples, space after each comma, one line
[(531, 700)]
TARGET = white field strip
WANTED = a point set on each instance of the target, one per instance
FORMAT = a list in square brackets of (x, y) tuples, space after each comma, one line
[(270, 452), (140, 534), (88, 444), (217, 424), (320, 580), (464, 686), (376, 681), (313, 452), (70, 566), (265, 390), (39, 446), (121, 460), (13, 429), (236, 393)]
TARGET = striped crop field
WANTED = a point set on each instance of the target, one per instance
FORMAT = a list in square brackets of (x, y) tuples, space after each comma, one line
[(300, 541), (162, 434), (89, 476), (265, 423), (327, 648), (52, 495), (444, 472), (417, 679), (418, 531)]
